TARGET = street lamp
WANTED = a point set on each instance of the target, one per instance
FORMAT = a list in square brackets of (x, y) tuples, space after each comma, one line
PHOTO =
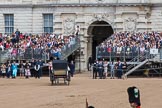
[(79, 54)]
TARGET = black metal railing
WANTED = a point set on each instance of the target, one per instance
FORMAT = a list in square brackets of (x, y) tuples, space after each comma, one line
[(27, 54), (68, 49), (39, 53), (123, 55)]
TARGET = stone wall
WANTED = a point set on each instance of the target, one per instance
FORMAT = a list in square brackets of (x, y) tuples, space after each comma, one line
[(122, 15), (22, 19), (155, 18), (77, 1), (132, 18)]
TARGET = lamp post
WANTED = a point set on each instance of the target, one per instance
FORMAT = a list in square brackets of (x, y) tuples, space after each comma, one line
[(79, 55)]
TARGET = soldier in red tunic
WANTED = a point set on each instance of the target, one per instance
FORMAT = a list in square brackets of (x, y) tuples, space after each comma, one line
[(134, 97)]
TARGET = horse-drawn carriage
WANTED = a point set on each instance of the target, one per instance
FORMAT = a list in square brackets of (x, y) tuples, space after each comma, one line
[(60, 70)]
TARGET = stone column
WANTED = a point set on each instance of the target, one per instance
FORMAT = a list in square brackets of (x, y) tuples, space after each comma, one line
[(118, 22), (83, 41), (143, 23), (57, 23)]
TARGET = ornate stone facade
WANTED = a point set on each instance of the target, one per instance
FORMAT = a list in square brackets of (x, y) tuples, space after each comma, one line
[(69, 26), (101, 16), (121, 15), (130, 24)]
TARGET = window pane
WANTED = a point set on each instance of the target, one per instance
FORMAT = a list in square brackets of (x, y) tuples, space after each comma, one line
[(11, 30), (48, 30), (11, 18), (51, 29), (51, 24), (48, 23), (45, 20), (45, 29), (45, 17), (9, 23), (6, 29), (50, 20), (6, 17), (51, 16)]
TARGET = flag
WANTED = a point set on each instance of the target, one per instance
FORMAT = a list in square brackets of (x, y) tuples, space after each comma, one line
[(86, 103)]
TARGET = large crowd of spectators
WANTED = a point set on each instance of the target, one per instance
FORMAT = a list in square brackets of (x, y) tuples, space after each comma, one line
[(32, 68), (129, 44), (34, 46)]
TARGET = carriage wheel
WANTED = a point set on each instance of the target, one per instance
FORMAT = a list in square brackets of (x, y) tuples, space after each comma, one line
[(68, 82), (55, 81), (51, 82), (64, 80), (68, 78)]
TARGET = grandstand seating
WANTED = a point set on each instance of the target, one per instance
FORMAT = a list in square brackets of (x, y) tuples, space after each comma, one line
[(62, 47), (134, 48)]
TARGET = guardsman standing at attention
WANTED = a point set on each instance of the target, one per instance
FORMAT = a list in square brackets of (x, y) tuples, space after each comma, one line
[(100, 69), (134, 97), (95, 70)]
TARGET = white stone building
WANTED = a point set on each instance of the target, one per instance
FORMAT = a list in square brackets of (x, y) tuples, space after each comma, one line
[(97, 19)]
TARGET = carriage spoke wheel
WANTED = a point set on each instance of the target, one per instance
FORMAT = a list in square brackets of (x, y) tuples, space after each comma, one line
[(68, 83), (51, 82)]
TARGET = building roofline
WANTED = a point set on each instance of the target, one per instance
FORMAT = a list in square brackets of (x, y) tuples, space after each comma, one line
[(76, 5)]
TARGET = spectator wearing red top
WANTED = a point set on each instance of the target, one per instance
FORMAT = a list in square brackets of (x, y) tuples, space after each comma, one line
[(7, 45)]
